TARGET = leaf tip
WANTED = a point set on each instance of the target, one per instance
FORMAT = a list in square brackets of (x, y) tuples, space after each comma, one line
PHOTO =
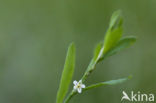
[(72, 44)]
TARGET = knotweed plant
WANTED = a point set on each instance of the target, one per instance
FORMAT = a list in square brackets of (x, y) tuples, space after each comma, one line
[(113, 43)]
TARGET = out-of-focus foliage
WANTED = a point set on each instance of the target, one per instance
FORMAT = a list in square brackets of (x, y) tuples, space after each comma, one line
[(34, 35)]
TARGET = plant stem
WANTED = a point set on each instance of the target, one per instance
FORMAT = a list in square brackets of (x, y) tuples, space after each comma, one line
[(70, 96), (92, 65)]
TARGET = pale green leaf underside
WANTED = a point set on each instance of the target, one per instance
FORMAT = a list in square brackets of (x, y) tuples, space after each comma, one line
[(66, 74)]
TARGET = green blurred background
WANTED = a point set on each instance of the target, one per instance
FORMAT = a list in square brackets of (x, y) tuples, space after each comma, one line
[(35, 34)]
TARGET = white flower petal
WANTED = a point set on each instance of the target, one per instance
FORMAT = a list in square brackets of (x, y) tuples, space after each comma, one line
[(75, 82), (79, 90), (80, 81), (75, 87), (83, 86)]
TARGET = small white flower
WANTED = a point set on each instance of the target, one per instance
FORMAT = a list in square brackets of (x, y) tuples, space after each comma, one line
[(78, 86)]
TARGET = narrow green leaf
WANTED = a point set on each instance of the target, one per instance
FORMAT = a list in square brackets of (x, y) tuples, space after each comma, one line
[(122, 44), (111, 38), (111, 82), (66, 74), (114, 31)]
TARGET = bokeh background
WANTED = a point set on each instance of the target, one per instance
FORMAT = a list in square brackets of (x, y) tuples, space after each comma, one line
[(35, 34)]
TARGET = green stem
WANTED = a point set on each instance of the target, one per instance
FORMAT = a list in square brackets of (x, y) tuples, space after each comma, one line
[(70, 96), (92, 65)]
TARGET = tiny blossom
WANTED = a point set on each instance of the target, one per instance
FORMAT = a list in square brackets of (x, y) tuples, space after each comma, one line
[(78, 86)]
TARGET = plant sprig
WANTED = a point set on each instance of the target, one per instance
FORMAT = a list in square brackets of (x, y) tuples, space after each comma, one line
[(113, 43)]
